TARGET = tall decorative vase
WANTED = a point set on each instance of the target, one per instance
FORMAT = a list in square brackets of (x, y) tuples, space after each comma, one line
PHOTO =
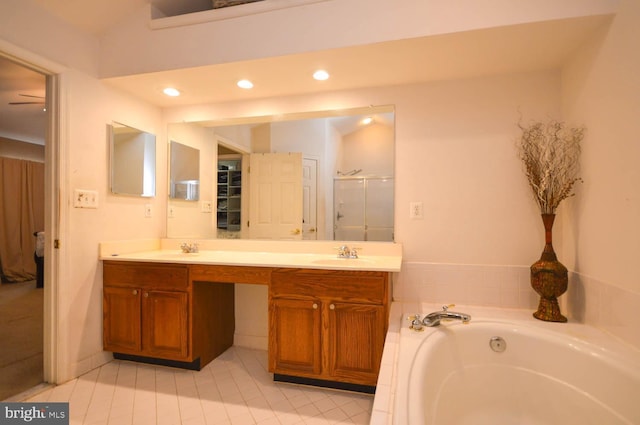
[(549, 278)]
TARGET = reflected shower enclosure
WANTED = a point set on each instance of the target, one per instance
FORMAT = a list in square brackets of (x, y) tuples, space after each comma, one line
[(363, 208)]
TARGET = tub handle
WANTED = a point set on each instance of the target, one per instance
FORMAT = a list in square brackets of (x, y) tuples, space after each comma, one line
[(416, 323)]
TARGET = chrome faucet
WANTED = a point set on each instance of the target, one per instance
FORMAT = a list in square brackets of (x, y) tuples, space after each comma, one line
[(433, 319), (416, 323), (345, 252), (189, 248)]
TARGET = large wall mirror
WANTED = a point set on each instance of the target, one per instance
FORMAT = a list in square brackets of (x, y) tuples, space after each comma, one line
[(133, 161), (311, 176)]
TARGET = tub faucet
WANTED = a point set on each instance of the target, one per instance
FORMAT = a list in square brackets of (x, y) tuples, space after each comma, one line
[(433, 319), (189, 248)]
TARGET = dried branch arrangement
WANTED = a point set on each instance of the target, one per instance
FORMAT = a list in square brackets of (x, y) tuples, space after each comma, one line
[(550, 153)]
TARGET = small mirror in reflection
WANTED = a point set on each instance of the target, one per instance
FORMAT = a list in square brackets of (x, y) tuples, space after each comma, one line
[(184, 172)]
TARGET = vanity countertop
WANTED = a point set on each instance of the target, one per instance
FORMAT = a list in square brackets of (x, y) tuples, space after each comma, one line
[(373, 256)]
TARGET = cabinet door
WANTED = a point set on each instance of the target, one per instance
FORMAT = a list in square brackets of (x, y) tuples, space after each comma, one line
[(355, 339), (165, 331), (294, 337), (121, 320)]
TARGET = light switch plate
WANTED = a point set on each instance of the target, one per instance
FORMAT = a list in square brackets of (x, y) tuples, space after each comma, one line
[(83, 198)]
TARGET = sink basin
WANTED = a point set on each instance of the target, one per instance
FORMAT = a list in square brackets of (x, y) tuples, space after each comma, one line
[(177, 255), (350, 262)]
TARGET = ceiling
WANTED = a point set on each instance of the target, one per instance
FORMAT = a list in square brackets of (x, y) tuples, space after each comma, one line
[(494, 51), (26, 121)]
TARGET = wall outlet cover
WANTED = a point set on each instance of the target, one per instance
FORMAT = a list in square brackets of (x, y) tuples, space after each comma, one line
[(416, 211), (206, 207)]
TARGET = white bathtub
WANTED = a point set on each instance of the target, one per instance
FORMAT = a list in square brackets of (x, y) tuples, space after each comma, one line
[(548, 374)]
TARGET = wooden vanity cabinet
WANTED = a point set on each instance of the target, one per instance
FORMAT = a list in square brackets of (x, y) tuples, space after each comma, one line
[(153, 311), (328, 325), (146, 322)]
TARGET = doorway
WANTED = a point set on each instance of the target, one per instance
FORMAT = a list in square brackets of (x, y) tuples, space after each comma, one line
[(24, 129)]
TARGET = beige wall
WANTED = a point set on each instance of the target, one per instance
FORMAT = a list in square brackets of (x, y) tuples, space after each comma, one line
[(84, 146), (601, 88), (16, 149), (370, 149)]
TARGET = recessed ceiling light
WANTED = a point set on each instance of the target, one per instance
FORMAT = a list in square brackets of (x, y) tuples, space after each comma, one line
[(245, 84), (367, 121), (170, 91), (321, 75)]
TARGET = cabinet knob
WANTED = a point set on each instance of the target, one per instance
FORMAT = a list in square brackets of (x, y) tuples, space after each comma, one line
[(135, 292), (315, 306), (146, 295), (332, 306)]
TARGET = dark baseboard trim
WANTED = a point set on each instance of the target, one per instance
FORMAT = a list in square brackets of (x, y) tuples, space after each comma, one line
[(367, 389), (194, 365)]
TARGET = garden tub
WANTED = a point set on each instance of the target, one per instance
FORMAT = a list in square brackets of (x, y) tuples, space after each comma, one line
[(514, 371)]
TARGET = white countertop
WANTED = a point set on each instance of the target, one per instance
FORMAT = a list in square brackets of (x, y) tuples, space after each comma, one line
[(373, 256)]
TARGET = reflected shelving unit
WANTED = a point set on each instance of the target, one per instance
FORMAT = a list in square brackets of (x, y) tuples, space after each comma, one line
[(229, 192)]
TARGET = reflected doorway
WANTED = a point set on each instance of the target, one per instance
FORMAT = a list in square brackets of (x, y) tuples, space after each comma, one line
[(23, 123), (309, 199), (229, 196)]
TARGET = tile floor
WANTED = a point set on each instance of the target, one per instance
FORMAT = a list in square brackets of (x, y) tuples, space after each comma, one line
[(234, 389)]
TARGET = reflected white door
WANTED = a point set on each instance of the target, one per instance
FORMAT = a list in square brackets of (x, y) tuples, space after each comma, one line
[(275, 210), (309, 199)]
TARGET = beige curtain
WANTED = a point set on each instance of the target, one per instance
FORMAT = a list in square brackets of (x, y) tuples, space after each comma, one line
[(21, 214)]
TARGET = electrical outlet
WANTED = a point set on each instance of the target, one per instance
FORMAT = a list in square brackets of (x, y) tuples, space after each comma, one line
[(85, 198), (206, 207), (416, 211), (148, 212)]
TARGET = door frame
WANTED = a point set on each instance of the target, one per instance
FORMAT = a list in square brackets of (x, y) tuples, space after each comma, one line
[(55, 158)]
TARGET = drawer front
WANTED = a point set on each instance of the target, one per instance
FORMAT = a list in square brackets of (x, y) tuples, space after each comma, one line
[(230, 274), (353, 286), (148, 275)]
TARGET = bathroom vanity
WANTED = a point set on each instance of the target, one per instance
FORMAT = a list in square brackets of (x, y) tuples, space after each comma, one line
[(327, 316), (327, 324)]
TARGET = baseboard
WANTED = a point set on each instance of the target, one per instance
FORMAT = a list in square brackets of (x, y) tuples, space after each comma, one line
[(367, 389), (194, 365)]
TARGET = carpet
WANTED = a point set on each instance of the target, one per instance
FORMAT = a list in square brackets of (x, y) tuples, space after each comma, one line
[(21, 327)]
